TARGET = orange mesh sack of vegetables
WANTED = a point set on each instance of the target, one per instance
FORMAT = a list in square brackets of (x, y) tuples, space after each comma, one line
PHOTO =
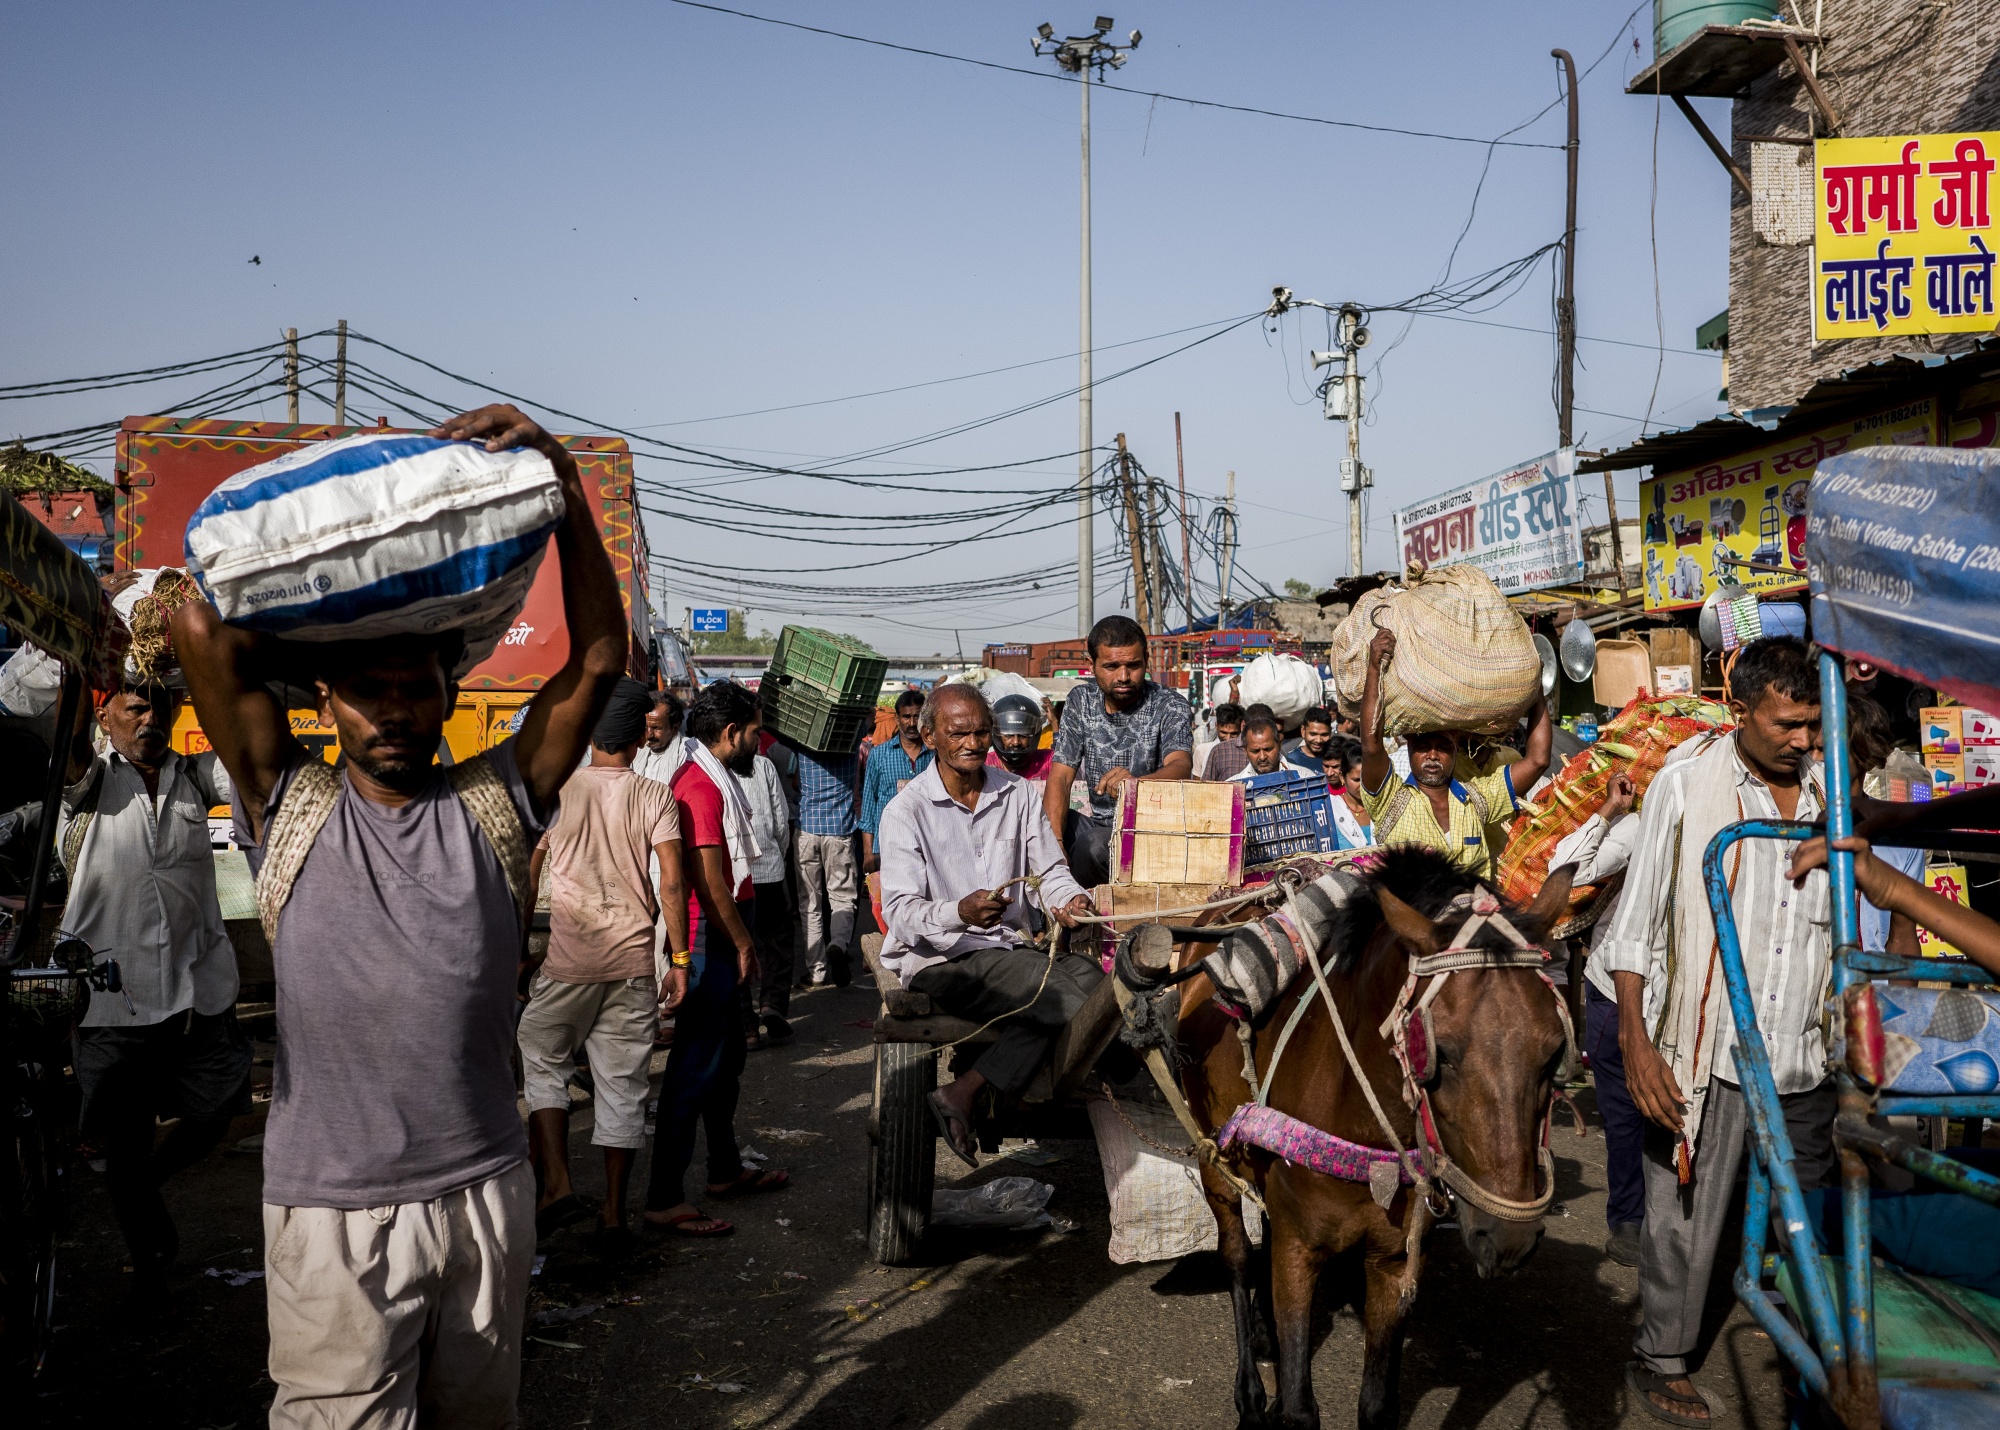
[(1636, 742)]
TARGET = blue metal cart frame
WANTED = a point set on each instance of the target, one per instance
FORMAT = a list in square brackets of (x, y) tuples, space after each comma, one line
[(1834, 1354)]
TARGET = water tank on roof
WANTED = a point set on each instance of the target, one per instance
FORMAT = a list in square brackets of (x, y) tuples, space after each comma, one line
[(1675, 20)]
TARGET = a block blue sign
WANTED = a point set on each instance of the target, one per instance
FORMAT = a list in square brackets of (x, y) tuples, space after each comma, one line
[(713, 620)]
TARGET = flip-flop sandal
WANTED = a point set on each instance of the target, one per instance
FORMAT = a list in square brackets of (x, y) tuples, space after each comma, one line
[(1640, 1381), (678, 1225), (751, 1182), (562, 1212), (967, 1151)]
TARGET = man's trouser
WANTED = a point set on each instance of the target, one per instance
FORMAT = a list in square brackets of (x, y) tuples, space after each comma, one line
[(187, 1066), (1624, 1124), (1089, 846), (401, 1316), (1684, 1224), (704, 1074), (614, 1024), (826, 870), (1003, 983), (771, 928)]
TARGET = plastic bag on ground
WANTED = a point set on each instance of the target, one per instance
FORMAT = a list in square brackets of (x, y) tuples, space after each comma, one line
[(1158, 1211), (1284, 682), (1005, 1203), (1464, 659), (377, 536)]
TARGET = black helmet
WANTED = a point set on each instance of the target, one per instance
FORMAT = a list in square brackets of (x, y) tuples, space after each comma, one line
[(1017, 715)]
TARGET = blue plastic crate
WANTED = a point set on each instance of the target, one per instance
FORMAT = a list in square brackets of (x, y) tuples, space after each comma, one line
[(1286, 815)]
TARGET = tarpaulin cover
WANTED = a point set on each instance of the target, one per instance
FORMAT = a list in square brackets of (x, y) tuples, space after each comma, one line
[(49, 596), (1903, 557)]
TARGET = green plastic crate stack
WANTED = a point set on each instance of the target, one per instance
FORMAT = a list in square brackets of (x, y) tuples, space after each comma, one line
[(845, 671), (819, 691)]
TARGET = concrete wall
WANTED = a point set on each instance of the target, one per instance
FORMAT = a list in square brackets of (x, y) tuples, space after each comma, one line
[(1890, 67)]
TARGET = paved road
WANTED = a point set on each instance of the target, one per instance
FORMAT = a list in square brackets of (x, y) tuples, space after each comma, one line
[(788, 1324)]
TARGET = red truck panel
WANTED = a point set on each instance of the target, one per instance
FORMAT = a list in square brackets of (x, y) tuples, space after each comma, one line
[(168, 465)]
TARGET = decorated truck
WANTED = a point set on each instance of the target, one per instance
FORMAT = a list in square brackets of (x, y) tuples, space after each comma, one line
[(167, 465)]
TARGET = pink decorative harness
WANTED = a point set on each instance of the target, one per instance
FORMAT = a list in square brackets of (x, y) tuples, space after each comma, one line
[(1407, 1029)]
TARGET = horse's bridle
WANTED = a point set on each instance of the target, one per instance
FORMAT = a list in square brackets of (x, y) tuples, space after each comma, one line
[(1408, 1032)]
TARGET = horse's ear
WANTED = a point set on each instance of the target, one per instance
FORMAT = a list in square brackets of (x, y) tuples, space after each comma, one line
[(1552, 902), (1406, 923)]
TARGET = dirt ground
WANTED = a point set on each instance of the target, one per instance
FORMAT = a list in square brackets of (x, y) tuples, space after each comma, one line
[(787, 1323)]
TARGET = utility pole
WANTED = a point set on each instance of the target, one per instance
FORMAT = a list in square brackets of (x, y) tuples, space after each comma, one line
[(340, 375), (1187, 562), (1566, 322), (1079, 55), (1344, 401), (1156, 556), (292, 376), (1135, 538), (1229, 553)]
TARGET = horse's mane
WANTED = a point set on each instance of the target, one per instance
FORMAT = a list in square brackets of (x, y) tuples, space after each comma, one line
[(1421, 877)]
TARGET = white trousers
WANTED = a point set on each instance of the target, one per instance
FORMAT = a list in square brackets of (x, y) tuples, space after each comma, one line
[(826, 868), (394, 1317)]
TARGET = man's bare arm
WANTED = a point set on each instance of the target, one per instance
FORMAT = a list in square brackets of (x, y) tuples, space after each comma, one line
[(1178, 765), (1055, 795), (1534, 761), (1375, 764), (565, 709), (718, 905), (245, 724)]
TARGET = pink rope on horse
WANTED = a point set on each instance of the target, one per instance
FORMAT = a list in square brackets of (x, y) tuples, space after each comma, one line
[(1303, 1145)]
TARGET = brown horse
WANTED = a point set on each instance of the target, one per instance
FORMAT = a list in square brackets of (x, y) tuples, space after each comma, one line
[(1500, 1040)]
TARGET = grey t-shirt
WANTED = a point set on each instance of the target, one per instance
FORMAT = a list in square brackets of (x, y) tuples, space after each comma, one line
[(396, 959)]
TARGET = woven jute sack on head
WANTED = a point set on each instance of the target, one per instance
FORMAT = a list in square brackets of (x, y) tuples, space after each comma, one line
[(1464, 660)]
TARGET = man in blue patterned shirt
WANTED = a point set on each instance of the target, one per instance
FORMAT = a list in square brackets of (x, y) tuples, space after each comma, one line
[(890, 767), (1120, 727), (826, 856)]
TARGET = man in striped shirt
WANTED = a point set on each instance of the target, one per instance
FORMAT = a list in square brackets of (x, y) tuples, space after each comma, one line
[(1676, 1034)]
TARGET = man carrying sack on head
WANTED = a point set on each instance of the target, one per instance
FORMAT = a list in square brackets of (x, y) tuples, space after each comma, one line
[(399, 1216), (1676, 1034)]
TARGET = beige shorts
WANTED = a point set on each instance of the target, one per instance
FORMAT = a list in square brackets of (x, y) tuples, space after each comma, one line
[(614, 1024), (401, 1316)]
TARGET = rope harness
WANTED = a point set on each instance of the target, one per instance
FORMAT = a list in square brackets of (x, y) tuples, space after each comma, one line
[(1408, 1032)]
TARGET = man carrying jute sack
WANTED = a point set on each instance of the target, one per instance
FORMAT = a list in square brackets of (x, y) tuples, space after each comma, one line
[(399, 1215)]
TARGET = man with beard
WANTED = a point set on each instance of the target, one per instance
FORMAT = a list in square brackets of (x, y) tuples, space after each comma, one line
[(142, 890), (704, 1071), (660, 749), (399, 1217), (1431, 807)]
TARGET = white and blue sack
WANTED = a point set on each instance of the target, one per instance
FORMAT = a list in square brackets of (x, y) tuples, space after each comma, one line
[(377, 536)]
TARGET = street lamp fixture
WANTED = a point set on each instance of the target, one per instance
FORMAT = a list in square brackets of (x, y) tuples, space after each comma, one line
[(1080, 55)]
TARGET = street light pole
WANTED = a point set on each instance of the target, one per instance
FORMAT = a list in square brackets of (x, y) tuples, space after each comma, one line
[(1081, 54), (1343, 392)]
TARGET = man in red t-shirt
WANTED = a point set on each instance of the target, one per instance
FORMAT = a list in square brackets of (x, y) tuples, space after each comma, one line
[(705, 1068)]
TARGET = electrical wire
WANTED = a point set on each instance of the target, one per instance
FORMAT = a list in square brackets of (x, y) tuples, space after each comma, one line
[(1103, 84)]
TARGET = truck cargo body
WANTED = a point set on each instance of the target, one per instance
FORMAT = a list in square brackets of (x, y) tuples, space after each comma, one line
[(166, 466)]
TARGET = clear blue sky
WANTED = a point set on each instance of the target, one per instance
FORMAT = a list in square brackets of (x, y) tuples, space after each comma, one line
[(651, 214)]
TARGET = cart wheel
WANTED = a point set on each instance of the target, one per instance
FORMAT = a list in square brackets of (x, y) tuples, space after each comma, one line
[(902, 1162)]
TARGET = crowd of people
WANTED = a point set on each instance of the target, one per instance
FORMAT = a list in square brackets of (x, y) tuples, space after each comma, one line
[(683, 854)]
